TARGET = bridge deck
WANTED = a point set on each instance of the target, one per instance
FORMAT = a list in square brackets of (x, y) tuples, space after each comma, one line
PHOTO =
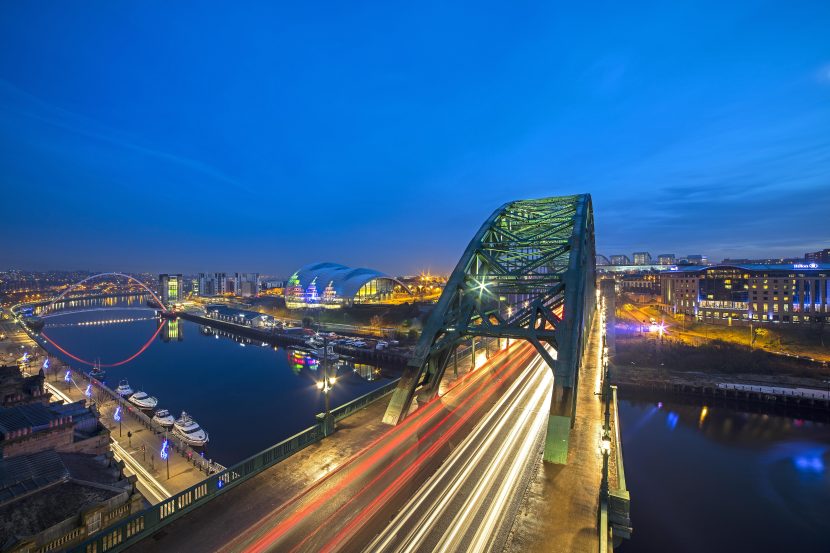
[(217, 522), (559, 512)]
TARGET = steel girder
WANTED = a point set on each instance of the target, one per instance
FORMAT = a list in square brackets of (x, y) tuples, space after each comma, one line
[(528, 274)]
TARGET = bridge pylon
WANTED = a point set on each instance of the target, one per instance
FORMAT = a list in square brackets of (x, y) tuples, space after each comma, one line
[(528, 274)]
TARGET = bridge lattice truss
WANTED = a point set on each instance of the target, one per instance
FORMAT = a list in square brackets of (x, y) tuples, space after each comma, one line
[(527, 274)]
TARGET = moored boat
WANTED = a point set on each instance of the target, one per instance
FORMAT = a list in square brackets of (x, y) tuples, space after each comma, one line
[(189, 430), (164, 418), (97, 373), (142, 400), (124, 389)]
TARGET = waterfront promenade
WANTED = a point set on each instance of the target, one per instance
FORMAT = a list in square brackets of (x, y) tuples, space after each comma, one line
[(138, 446)]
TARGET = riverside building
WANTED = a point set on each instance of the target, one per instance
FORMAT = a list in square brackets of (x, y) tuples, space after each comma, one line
[(796, 293)]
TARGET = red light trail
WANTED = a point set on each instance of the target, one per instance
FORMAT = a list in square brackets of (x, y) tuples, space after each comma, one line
[(408, 428), (398, 483), (404, 431)]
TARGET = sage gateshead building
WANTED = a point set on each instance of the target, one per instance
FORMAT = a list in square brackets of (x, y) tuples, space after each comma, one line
[(797, 293), (332, 286)]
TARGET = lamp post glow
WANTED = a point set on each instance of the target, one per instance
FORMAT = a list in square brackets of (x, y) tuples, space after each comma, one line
[(117, 417), (326, 385), (165, 455)]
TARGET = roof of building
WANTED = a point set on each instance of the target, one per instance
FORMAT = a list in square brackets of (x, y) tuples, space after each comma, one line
[(39, 415), (753, 267), (346, 281), (27, 473), (31, 415), (40, 490), (227, 311)]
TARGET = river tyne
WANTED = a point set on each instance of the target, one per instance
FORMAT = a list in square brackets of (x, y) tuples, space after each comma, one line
[(719, 479), (246, 394)]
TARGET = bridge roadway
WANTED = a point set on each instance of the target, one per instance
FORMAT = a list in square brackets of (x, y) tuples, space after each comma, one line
[(341, 493)]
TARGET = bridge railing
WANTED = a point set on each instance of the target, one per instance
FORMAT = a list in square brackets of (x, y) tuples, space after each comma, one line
[(132, 529), (359, 403), (136, 527)]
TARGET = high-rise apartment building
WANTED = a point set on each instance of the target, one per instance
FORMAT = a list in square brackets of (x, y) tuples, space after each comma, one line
[(620, 260), (246, 284), (642, 258)]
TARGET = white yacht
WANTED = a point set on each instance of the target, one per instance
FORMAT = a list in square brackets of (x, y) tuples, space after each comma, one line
[(124, 389), (189, 430), (164, 418), (142, 400)]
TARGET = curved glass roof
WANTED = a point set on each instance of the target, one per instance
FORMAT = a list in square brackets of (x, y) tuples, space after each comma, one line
[(346, 281)]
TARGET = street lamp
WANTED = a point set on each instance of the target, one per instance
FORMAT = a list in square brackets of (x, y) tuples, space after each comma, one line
[(326, 385), (165, 454), (117, 417), (605, 449)]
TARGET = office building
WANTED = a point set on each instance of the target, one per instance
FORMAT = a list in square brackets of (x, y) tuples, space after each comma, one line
[(797, 293)]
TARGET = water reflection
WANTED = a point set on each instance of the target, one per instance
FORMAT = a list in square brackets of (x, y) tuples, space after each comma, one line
[(299, 360), (366, 372), (212, 375), (79, 304), (709, 478), (172, 331)]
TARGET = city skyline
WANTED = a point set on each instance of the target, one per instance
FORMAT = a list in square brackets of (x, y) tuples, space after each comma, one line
[(378, 138)]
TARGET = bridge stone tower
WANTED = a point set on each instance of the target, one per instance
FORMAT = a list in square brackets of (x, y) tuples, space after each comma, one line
[(529, 274)]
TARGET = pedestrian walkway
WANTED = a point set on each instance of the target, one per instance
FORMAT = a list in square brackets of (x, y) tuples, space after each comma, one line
[(559, 512), (133, 440)]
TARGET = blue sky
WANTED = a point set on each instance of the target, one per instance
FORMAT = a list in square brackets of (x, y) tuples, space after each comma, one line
[(183, 137)]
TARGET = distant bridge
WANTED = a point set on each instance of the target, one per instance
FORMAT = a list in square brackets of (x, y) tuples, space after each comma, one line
[(50, 305), (63, 294), (529, 274)]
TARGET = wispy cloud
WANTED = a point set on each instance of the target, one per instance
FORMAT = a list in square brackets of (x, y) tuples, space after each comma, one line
[(823, 74), (15, 101)]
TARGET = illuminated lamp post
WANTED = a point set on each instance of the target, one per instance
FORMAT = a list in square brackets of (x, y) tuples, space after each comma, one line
[(605, 448), (117, 417), (165, 454), (326, 385)]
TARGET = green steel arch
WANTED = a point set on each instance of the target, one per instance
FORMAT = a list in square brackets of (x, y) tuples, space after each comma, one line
[(528, 273)]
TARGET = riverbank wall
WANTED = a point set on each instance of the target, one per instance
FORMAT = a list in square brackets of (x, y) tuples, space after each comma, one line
[(761, 396), (382, 358)]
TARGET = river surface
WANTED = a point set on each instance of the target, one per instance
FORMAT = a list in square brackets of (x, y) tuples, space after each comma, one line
[(721, 480), (246, 395)]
